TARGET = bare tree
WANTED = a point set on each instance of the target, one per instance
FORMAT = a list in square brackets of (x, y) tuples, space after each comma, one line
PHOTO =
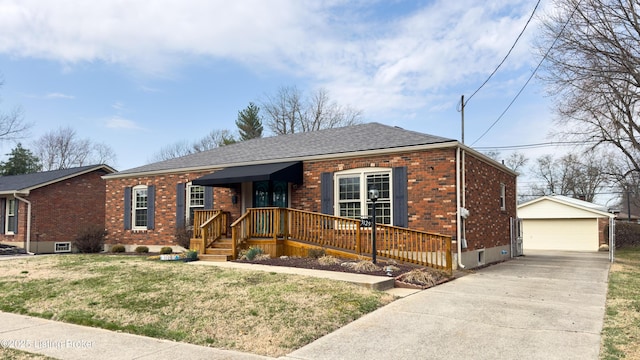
[(12, 123), (515, 161), (570, 176), (593, 69), (288, 112), (62, 149), (214, 139)]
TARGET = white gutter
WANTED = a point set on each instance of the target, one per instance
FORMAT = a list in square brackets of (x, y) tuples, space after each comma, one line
[(28, 242), (458, 217)]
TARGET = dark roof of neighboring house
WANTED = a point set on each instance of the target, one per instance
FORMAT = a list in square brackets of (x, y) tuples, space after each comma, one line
[(357, 138), (27, 182)]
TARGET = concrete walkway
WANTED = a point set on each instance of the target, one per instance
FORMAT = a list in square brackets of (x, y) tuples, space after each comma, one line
[(540, 306)]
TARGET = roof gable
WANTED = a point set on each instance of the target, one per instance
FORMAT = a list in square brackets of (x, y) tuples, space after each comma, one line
[(28, 182), (292, 147), (560, 207)]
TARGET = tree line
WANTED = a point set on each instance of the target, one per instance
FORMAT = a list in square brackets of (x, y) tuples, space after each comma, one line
[(287, 111)]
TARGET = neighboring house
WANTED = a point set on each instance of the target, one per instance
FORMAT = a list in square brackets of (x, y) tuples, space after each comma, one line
[(423, 180), (43, 212), (559, 222)]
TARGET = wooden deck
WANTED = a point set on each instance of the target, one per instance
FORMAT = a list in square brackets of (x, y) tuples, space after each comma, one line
[(291, 232)]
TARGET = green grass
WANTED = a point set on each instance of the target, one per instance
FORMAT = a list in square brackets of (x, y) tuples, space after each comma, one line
[(621, 330), (259, 312)]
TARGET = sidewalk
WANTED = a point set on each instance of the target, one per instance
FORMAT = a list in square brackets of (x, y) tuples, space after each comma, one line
[(541, 306)]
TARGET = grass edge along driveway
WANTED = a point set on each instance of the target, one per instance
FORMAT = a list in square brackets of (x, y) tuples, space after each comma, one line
[(263, 313), (621, 329)]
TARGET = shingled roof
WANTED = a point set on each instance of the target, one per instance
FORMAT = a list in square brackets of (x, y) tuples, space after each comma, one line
[(28, 182), (363, 137)]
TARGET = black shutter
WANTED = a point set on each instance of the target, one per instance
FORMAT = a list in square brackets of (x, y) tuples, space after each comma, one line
[(326, 193), (151, 206), (3, 207), (127, 208), (400, 197), (180, 204), (208, 197)]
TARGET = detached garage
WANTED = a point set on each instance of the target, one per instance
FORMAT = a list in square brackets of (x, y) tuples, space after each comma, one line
[(562, 223)]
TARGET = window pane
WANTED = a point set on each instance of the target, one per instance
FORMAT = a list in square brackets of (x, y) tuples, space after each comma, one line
[(383, 212), (141, 217), (350, 209), (196, 196), (141, 198), (349, 188), (140, 208), (380, 182)]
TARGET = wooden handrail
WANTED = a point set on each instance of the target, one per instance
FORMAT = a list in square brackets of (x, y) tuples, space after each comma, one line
[(213, 229), (402, 244)]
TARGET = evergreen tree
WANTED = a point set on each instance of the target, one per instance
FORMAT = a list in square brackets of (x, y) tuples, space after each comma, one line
[(249, 123), (21, 161)]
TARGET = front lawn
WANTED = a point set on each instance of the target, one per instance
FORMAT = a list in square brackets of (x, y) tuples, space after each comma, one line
[(258, 312), (621, 330)]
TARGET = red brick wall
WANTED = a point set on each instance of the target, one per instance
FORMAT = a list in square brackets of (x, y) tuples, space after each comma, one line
[(431, 188), (165, 205), (60, 211), (487, 225), (431, 185)]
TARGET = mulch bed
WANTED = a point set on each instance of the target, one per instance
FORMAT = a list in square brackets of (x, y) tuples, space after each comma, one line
[(11, 250), (312, 263)]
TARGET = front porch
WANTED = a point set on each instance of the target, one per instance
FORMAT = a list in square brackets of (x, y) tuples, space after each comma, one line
[(285, 231)]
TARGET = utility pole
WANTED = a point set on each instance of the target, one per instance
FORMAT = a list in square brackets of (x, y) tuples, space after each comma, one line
[(462, 117)]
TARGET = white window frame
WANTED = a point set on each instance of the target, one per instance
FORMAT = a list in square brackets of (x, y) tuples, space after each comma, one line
[(503, 196), (189, 202), (134, 207), (62, 247), (361, 174), (10, 213)]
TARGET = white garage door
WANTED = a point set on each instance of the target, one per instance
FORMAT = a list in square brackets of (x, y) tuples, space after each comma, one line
[(560, 234)]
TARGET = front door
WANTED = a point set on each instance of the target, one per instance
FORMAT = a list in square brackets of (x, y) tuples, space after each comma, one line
[(270, 193)]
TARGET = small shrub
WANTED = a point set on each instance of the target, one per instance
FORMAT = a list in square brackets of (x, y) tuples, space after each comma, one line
[(253, 252), (183, 237), (316, 253), (118, 249), (166, 250), (362, 266), (421, 277), (261, 257), (328, 260), (142, 250), (90, 240), (191, 255)]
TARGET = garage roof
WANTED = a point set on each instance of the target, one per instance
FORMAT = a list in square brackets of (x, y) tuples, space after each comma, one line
[(561, 207)]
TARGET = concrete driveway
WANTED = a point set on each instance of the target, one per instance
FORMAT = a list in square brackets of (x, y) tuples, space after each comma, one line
[(544, 305)]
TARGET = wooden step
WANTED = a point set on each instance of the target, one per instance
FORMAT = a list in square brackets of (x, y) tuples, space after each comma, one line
[(217, 258), (218, 251)]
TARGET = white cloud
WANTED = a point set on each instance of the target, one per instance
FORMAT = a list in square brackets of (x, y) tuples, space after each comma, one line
[(381, 64), (117, 122), (56, 95)]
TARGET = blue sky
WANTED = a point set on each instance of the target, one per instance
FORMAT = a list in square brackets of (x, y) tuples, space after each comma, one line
[(140, 75)]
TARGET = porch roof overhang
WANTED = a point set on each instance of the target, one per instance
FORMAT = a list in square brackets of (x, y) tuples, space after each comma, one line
[(227, 177)]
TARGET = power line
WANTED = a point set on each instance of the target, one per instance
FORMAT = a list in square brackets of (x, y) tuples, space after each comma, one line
[(505, 57), (532, 74), (535, 145)]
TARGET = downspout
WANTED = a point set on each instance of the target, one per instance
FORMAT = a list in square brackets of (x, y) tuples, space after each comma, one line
[(458, 205), (28, 242)]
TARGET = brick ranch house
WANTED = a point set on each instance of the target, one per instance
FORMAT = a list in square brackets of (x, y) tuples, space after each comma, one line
[(423, 181), (43, 212)]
